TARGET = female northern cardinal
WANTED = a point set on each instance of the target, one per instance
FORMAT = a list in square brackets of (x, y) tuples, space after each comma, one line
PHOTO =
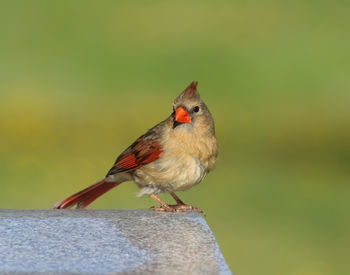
[(174, 155)]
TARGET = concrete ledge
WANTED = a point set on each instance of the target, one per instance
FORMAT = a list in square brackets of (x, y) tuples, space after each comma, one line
[(107, 241)]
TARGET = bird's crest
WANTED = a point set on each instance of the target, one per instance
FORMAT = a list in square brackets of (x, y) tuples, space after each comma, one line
[(189, 94)]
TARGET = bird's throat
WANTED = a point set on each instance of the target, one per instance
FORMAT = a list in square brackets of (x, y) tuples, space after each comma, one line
[(176, 123)]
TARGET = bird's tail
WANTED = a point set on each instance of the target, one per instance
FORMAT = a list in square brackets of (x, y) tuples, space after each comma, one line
[(86, 196)]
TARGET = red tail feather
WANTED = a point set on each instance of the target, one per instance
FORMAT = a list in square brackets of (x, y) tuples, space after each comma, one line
[(86, 196)]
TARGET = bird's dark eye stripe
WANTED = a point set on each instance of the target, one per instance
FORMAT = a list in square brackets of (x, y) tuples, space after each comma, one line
[(196, 109)]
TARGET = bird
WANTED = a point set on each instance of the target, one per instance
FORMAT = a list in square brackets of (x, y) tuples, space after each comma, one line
[(174, 155)]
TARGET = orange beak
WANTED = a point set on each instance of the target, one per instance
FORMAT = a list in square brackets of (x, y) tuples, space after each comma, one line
[(181, 115)]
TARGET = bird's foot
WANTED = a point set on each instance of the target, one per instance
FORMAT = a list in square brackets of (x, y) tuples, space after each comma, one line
[(163, 209), (177, 208), (181, 207)]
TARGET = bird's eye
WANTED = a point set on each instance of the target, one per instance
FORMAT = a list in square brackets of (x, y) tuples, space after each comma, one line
[(196, 109)]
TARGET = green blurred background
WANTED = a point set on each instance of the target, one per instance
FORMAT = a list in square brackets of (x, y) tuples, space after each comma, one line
[(81, 80)]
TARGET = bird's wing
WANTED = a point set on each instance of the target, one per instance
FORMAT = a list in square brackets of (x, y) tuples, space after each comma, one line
[(143, 151)]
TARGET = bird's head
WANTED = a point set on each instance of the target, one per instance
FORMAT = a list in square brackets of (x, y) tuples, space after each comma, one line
[(190, 110)]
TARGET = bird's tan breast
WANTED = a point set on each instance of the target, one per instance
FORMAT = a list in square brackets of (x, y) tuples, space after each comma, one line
[(201, 148), (185, 161), (187, 158)]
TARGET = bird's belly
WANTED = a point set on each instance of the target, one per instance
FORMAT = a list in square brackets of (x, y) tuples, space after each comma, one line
[(184, 176), (170, 174)]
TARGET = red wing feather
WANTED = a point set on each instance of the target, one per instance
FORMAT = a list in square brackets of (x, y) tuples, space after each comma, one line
[(128, 161), (140, 153)]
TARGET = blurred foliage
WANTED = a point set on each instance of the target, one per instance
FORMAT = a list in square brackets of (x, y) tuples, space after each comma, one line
[(81, 80)]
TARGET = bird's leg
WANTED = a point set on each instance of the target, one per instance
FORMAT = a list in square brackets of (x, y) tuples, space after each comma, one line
[(181, 206), (164, 206), (178, 200)]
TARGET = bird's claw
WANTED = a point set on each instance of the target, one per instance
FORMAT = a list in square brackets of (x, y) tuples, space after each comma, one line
[(178, 208), (185, 208), (161, 208)]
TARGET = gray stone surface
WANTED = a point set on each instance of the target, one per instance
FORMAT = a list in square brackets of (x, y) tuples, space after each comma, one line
[(107, 242)]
